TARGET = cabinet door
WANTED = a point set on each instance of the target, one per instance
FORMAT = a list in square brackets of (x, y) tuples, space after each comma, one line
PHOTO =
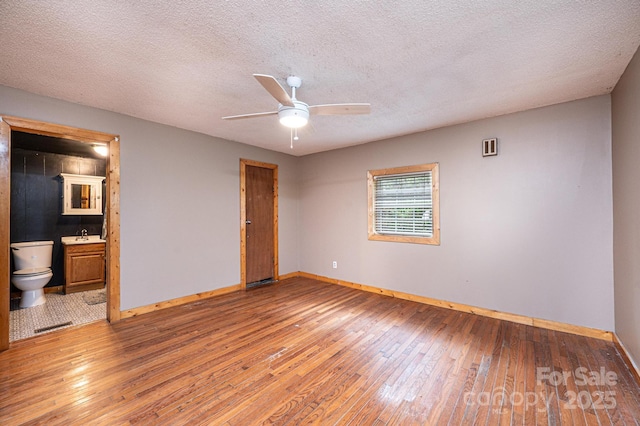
[(86, 268)]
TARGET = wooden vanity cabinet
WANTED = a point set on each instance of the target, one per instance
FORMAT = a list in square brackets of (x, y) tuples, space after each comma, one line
[(84, 267)]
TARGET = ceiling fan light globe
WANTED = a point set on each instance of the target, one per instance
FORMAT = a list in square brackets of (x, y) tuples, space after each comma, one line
[(293, 118)]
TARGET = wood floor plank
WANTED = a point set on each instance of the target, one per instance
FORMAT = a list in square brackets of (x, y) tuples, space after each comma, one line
[(433, 394), (308, 352), (457, 406), (320, 410), (624, 390)]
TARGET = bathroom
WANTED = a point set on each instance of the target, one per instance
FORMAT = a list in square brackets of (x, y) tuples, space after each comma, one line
[(37, 215)]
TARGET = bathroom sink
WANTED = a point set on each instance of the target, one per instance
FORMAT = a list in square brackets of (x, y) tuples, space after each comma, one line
[(89, 239)]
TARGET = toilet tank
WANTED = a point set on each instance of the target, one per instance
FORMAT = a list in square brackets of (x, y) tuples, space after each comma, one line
[(32, 254)]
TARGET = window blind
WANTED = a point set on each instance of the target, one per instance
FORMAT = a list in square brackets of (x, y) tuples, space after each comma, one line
[(403, 204)]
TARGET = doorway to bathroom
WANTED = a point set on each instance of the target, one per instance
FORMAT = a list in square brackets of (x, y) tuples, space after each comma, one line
[(258, 223), (112, 196)]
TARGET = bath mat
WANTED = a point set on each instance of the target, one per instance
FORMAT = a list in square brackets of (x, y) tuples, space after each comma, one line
[(95, 298)]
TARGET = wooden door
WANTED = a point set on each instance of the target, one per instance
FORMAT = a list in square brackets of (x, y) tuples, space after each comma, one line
[(260, 260)]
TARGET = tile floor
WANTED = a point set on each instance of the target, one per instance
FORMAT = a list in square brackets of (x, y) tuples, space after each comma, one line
[(70, 309)]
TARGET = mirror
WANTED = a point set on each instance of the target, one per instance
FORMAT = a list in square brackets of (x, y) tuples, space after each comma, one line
[(81, 195)]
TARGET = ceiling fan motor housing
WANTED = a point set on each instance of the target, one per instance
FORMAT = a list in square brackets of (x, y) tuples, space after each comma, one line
[(296, 116)]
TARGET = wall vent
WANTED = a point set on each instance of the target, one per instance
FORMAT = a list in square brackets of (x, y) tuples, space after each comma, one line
[(490, 147)]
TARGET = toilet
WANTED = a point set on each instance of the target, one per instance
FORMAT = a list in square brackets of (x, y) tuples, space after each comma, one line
[(32, 262)]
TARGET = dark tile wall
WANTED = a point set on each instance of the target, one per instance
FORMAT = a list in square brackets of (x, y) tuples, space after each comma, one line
[(36, 201)]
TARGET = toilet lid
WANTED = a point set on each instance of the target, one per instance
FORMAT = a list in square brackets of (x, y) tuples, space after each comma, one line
[(32, 271)]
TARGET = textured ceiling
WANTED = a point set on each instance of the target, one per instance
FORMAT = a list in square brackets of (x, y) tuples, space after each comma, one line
[(420, 64)]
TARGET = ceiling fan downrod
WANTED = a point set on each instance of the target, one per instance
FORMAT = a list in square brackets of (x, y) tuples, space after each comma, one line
[(295, 83)]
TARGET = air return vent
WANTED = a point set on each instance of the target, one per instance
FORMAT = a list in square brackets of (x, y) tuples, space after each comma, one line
[(490, 147), (266, 281)]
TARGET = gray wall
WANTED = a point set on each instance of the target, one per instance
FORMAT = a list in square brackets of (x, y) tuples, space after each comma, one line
[(180, 202), (527, 232), (626, 206)]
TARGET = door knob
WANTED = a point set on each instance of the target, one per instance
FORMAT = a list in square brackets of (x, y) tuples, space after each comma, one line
[(248, 222)]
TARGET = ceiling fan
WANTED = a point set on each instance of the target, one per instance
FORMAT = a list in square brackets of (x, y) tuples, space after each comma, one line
[(293, 113)]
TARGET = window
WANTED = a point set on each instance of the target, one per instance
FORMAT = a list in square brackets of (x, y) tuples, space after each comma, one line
[(403, 204)]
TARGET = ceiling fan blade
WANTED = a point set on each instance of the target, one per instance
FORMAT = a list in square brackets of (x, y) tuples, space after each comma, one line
[(340, 109), (255, 114), (274, 88)]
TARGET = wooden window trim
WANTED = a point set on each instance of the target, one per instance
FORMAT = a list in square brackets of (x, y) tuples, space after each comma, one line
[(435, 187)]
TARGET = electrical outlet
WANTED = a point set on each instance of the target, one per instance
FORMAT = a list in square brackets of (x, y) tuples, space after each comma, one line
[(335, 265)]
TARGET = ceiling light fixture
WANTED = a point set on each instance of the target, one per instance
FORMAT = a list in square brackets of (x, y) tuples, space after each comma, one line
[(101, 149), (294, 117)]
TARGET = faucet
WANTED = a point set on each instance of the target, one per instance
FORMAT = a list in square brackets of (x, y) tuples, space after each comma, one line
[(83, 235)]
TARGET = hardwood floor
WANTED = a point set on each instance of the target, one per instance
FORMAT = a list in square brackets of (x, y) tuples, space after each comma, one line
[(304, 351)]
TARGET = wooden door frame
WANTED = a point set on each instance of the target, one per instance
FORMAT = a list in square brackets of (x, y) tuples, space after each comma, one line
[(243, 217), (8, 124)]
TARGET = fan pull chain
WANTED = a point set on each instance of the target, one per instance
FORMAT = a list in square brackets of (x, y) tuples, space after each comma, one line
[(294, 136)]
